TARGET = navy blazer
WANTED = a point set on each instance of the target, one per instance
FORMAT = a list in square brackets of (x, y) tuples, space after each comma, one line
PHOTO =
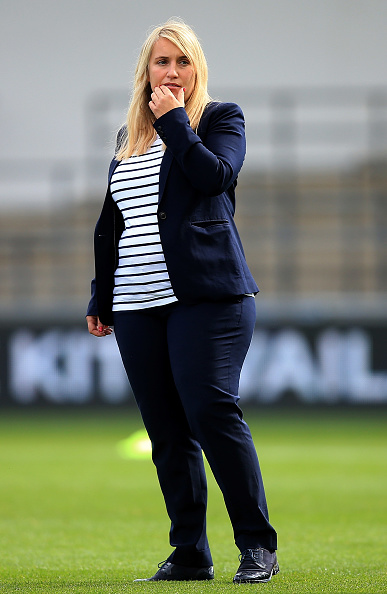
[(198, 175)]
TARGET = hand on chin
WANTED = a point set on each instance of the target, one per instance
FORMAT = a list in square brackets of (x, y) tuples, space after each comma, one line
[(163, 99)]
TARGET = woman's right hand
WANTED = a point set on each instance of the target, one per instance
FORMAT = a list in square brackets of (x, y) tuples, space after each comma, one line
[(96, 328)]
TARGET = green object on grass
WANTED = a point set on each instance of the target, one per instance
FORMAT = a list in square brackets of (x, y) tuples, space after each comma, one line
[(135, 447)]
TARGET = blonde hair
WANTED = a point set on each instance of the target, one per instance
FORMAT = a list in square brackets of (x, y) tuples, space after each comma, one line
[(140, 133)]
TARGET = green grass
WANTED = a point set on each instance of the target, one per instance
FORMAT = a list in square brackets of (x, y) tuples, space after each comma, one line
[(75, 517)]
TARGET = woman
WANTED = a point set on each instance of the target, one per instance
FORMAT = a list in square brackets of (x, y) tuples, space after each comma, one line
[(171, 277)]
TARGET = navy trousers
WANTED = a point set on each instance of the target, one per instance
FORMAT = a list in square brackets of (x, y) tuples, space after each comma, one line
[(184, 363)]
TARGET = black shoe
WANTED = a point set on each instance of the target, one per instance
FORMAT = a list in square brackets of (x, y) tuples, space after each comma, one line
[(257, 565), (170, 571)]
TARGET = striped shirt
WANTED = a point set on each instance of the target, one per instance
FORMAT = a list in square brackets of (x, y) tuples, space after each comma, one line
[(141, 279)]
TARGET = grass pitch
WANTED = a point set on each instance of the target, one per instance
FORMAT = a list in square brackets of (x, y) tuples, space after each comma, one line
[(77, 517)]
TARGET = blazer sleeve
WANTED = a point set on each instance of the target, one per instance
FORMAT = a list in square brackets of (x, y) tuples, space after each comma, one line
[(211, 164), (92, 309)]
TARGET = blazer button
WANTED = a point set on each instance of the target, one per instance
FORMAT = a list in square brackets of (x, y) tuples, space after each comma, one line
[(162, 215)]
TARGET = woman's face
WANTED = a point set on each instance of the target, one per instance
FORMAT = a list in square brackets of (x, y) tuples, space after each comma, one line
[(169, 67)]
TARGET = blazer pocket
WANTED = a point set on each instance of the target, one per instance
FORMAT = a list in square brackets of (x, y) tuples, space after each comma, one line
[(206, 224)]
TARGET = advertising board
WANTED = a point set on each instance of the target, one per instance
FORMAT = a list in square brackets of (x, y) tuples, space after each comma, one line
[(310, 364)]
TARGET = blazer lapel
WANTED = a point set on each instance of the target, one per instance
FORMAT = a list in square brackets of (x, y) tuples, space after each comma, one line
[(168, 157), (164, 170)]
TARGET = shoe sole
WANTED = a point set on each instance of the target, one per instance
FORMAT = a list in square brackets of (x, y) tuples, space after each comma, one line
[(174, 579), (199, 577), (274, 571)]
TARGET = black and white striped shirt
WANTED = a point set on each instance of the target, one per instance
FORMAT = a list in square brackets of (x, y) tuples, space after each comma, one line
[(141, 279)]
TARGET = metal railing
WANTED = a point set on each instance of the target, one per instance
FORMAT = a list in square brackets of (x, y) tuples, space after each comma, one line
[(312, 203)]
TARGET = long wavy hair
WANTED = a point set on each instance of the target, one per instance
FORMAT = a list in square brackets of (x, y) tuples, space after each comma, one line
[(140, 133)]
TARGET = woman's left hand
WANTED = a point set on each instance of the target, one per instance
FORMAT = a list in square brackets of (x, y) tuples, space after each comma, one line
[(163, 100), (96, 327)]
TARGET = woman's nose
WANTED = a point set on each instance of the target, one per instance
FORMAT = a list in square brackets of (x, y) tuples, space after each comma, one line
[(172, 73)]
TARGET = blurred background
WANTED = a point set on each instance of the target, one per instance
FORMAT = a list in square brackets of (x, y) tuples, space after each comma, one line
[(311, 79)]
